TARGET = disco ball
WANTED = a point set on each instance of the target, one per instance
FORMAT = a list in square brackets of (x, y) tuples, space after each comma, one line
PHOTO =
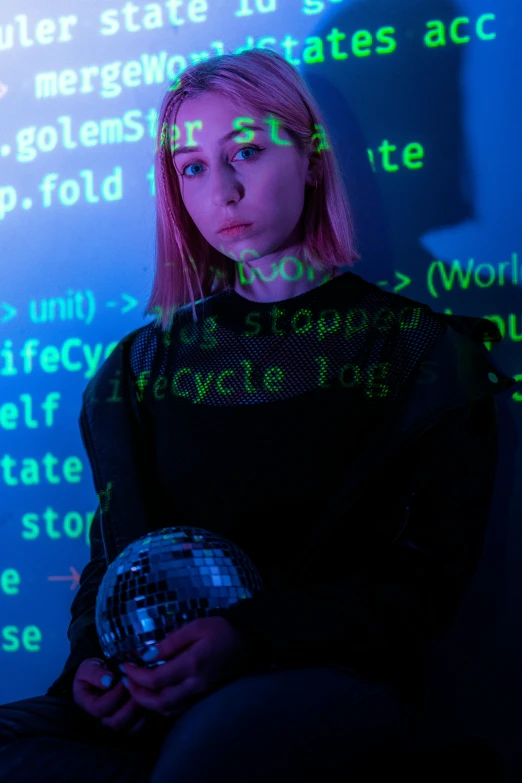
[(164, 580)]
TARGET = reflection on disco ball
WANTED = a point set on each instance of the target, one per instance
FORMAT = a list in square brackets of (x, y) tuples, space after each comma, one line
[(164, 580)]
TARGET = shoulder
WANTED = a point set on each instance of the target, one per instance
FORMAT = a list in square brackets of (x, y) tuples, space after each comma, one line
[(141, 346), (411, 345), (125, 361), (407, 312)]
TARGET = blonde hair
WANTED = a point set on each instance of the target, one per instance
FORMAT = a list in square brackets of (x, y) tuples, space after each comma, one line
[(273, 87)]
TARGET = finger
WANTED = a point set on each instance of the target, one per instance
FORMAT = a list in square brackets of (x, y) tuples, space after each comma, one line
[(174, 642), (169, 673), (122, 719), (109, 702), (169, 701), (114, 698), (145, 697), (125, 716)]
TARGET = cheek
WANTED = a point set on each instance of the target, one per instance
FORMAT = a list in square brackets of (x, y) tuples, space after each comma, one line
[(288, 189), (193, 208)]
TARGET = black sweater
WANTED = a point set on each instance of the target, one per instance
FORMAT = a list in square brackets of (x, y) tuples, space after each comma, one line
[(345, 439)]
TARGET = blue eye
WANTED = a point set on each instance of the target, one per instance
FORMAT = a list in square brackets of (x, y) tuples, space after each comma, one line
[(250, 147)]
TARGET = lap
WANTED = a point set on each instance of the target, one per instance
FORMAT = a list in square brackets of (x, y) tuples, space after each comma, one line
[(265, 726), (288, 724)]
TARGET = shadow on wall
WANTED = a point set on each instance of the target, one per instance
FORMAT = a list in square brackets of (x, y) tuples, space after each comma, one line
[(414, 94)]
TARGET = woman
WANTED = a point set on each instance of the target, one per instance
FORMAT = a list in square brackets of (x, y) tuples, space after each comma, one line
[(344, 437)]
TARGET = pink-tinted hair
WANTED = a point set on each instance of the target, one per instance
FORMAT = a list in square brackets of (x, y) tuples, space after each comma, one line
[(264, 83)]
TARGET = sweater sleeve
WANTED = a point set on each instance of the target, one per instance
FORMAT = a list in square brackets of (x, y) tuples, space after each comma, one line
[(82, 632), (407, 594), (116, 438)]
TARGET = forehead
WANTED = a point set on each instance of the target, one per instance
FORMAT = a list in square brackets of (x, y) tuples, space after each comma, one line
[(210, 120), (214, 111)]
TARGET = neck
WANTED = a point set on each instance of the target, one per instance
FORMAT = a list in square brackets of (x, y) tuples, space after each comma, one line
[(280, 280)]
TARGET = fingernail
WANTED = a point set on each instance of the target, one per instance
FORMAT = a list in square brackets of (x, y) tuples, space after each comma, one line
[(125, 681), (106, 680), (150, 654)]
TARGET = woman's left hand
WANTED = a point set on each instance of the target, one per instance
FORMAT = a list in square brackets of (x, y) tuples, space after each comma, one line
[(201, 657)]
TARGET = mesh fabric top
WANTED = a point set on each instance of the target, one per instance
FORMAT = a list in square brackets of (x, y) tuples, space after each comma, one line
[(258, 410), (345, 334)]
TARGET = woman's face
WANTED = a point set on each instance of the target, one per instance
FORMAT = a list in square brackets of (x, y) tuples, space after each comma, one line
[(231, 180)]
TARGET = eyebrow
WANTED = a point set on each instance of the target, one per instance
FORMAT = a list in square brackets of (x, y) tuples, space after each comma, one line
[(196, 148)]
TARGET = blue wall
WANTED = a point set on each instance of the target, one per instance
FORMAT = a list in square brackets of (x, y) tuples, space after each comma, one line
[(423, 103)]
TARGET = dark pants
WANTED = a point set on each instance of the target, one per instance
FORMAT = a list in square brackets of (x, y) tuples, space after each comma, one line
[(305, 724)]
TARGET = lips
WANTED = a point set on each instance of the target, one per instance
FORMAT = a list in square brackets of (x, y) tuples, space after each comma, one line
[(236, 225)]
